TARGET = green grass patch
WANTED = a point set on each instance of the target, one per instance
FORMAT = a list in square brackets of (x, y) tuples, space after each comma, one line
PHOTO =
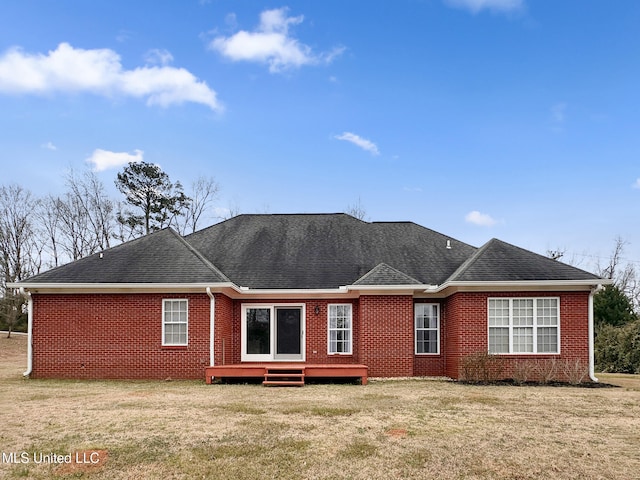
[(359, 448)]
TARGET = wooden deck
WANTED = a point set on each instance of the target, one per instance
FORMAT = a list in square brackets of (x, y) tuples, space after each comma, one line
[(278, 373)]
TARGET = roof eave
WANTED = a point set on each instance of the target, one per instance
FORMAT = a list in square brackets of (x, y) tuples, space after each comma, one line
[(408, 289), (234, 291), (515, 285), (67, 288)]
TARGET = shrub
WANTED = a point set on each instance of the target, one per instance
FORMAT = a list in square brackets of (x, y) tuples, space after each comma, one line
[(523, 370), (617, 349), (575, 371), (481, 367), (545, 369)]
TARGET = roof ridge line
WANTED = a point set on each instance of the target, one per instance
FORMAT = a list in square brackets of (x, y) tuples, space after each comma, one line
[(384, 264), (200, 256), (469, 261)]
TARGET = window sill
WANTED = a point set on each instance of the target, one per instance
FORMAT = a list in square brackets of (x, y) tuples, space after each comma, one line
[(174, 347), (338, 354), (427, 354)]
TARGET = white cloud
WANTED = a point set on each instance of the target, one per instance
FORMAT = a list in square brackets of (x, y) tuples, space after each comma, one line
[(637, 184), (271, 43), (158, 57), (105, 160), (480, 219), (357, 140), (49, 146), (99, 71), (475, 6), (222, 212)]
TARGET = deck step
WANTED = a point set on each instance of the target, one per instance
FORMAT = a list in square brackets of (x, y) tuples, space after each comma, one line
[(283, 377)]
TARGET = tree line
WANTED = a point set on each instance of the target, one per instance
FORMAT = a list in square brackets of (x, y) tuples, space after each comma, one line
[(616, 310), (39, 233), (617, 323)]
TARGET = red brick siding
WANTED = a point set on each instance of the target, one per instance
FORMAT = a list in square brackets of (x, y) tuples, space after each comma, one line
[(386, 335), (120, 335), (467, 324), (224, 346), (115, 336), (316, 324)]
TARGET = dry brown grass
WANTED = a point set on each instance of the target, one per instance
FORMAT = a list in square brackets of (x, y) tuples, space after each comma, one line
[(390, 429)]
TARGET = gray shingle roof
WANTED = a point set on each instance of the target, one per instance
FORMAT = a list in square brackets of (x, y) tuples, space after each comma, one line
[(314, 251), (161, 257), (383, 274), (324, 250), (500, 261)]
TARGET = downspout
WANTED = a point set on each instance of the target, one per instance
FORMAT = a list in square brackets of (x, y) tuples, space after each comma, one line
[(212, 325), (27, 372), (592, 374)]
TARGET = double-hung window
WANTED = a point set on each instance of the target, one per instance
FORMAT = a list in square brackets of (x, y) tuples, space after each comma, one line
[(524, 325), (340, 329), (427, 328), (175, 322)]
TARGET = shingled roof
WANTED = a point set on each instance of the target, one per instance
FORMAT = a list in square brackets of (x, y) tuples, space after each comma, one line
[(324, 250), (160, 257), (383, 274), (309, 251), (498, 261)]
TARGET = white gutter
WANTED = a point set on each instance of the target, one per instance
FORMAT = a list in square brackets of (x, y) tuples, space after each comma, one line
[(592, 374), (212, 323), (515, 283), (27, 372), (98, 287)]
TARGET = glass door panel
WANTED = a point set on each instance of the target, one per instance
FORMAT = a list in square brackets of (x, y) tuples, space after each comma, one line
[(288, 333)]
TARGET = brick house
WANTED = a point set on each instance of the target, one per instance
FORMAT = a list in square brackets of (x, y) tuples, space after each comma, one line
[(304, 295)]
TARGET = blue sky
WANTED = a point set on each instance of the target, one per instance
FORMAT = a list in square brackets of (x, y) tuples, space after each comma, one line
[(515, 119)]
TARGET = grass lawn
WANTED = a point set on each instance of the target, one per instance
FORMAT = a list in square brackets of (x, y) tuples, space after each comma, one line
[(387, 429)]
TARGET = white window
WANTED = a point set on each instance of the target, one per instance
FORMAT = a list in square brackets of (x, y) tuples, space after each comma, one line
[(339, 328), (175, 322), (427, 326), (524, 325)]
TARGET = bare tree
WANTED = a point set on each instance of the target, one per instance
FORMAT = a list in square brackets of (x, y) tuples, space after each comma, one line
[(95, 205), (623, 276), (357, 210), (556, 254), (47, 217), (204, 191), (11, 308), (80, 222), (76, 237), (19, 253), (233, 211)]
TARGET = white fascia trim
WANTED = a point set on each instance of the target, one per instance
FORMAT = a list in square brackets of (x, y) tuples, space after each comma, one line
[(554, 284), (110, 287), (412, 286), (228, 288), (293, 291)]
